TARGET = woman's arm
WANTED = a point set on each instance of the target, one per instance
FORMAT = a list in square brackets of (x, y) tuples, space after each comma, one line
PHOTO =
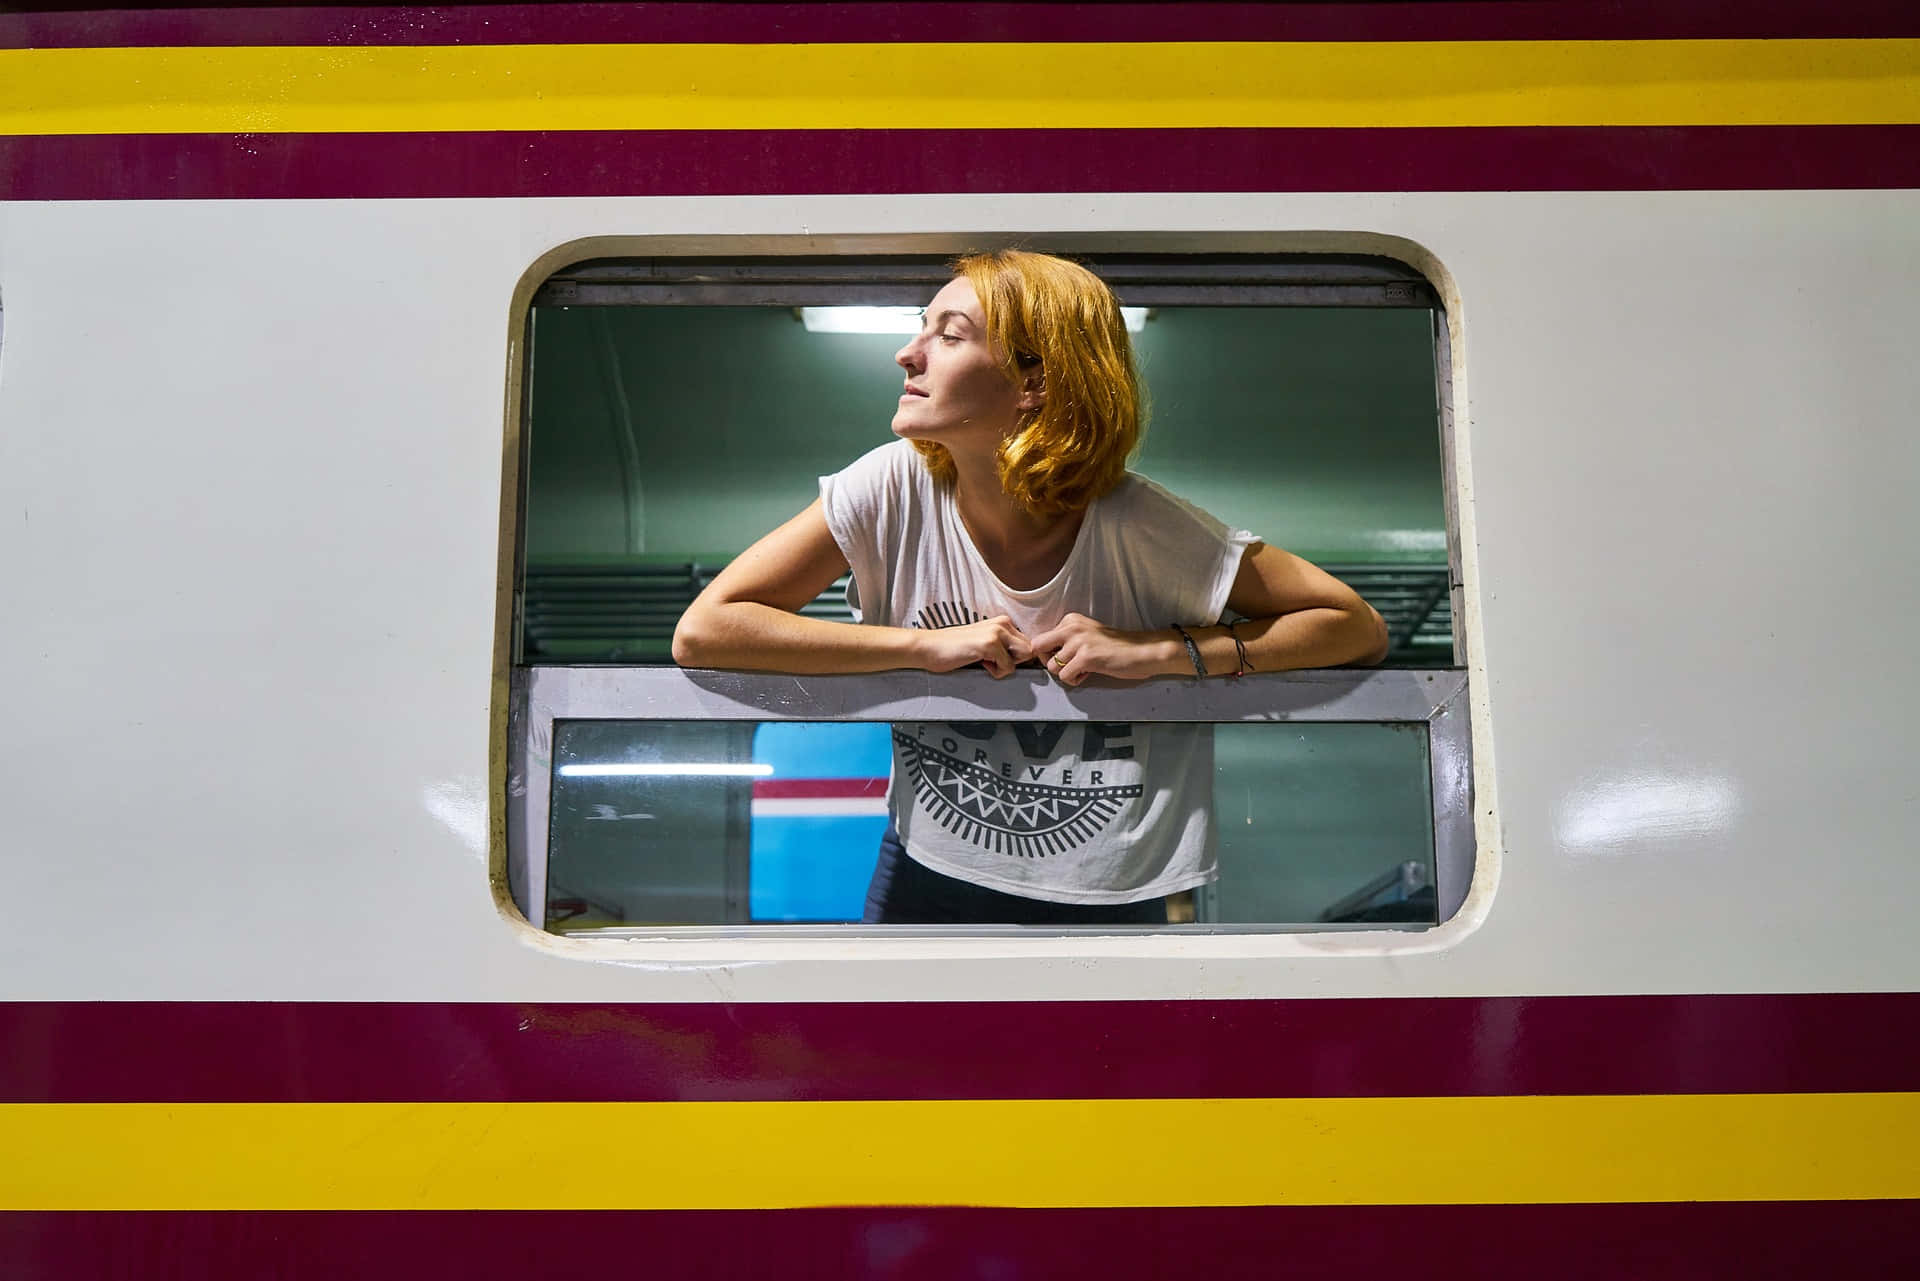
[(748, 617), (1298, 615)]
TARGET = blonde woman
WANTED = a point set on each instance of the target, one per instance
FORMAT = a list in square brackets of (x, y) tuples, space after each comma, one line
[(1003, 527)]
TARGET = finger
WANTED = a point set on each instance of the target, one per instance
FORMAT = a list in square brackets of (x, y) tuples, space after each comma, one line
[(1066, 629), (1018, 647), (998, 662)]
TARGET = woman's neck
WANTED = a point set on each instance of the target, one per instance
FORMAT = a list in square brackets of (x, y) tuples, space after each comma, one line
[(1023, 549)]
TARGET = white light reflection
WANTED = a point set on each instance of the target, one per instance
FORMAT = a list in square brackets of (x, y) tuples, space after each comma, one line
[(861, 320), (460, 806), (1612, 813), (1411, 540), (700, 769), (904, 320)]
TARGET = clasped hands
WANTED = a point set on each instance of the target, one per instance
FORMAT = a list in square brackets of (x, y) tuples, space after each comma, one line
[(1073, 649)]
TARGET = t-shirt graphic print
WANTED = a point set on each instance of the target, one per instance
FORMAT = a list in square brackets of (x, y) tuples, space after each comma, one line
[(1009, 810)]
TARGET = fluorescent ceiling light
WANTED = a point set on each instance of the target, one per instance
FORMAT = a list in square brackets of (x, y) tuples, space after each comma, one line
[(701, 768), (861, 320), (903, 320)]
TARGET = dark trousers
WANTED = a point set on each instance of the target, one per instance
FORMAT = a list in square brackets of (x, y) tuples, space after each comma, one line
[(904, 892)]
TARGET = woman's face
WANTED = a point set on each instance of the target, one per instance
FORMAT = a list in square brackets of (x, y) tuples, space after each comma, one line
[(955, 392)]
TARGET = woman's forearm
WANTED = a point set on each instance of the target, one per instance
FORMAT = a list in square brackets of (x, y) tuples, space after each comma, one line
[(766, 638), (1319, 636), (753, 637), (1322, 637)]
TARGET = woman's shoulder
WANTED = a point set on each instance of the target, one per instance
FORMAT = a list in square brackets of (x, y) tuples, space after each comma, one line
[(879, 490), (1141, 501), (887, 469), (893, 463)]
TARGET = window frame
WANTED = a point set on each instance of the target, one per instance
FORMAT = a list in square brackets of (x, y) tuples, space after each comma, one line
[(539, 695)]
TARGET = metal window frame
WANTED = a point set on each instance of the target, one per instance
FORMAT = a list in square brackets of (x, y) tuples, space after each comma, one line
[(1144, 280), (541, 695)]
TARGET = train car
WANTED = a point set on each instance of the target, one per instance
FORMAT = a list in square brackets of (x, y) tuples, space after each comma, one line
[(376, 384)]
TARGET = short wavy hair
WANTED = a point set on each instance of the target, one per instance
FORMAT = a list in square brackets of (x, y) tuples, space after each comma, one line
[(1047, 312)]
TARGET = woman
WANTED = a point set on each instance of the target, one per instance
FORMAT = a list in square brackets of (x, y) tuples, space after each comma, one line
[(1004, 528)]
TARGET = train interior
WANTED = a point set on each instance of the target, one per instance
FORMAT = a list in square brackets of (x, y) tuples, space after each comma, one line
[(663, 433)]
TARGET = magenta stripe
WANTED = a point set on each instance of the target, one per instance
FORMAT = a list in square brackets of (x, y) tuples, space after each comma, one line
[(1775, 1241), (243, 1052), (798, 162), (768, 789), (802, 23)]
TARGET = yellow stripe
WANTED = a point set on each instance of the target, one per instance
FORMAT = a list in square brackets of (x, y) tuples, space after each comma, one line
[(959, 86), (1037, 1153)]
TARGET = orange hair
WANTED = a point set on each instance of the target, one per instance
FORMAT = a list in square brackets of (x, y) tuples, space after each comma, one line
[(1048, 312)]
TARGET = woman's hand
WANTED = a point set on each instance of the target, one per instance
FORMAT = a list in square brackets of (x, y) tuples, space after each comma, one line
[(994, 643), (1078, 647)]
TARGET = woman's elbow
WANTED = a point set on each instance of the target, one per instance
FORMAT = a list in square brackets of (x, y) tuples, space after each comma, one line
[(692, 639), (1371, 638)]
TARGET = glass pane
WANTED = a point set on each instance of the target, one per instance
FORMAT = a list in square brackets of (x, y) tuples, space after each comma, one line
[(662, 822), (663, 841), (1323, 823)]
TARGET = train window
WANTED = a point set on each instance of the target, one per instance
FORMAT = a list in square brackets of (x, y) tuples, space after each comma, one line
[(674, 410)]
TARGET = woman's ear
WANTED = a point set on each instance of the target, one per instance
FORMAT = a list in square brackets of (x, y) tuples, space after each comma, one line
[(1033, 389)]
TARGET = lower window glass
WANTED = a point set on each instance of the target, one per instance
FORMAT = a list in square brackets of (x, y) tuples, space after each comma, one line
[(729, 822)]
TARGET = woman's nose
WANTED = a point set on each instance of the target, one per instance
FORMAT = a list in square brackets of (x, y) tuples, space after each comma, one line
[(908, 356)]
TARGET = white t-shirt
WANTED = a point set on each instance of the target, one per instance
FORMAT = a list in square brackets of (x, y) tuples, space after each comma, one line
[(1072, 813)]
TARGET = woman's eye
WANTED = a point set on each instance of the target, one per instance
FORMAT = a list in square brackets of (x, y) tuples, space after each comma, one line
[(949, 337)]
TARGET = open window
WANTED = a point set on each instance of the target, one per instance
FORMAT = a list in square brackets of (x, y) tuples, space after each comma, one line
[(676, 409)]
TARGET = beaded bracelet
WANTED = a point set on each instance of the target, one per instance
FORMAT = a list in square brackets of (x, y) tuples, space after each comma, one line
[(1193, 652)]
